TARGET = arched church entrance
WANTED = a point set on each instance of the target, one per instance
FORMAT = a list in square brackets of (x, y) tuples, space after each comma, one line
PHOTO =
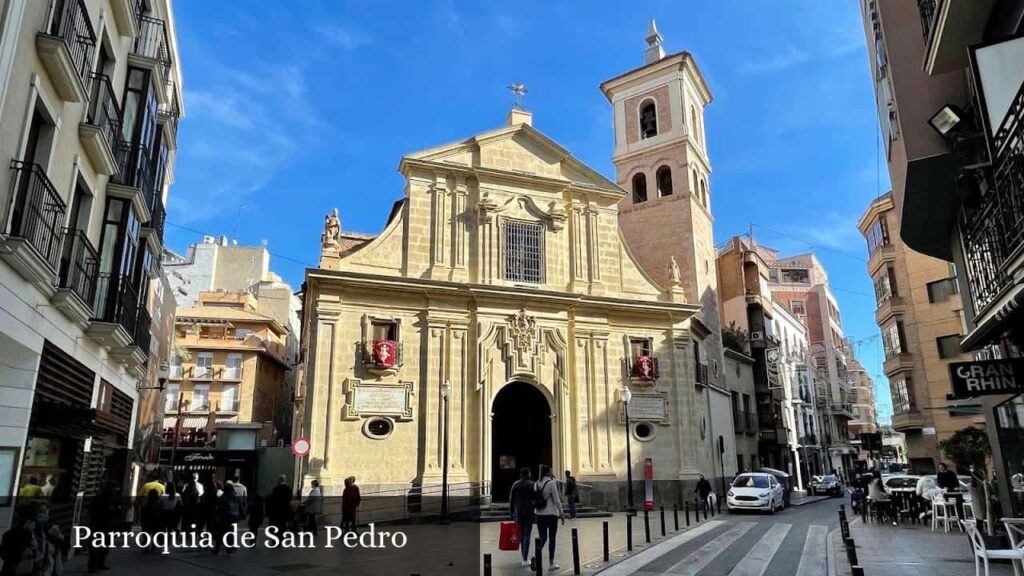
[(520, 435)]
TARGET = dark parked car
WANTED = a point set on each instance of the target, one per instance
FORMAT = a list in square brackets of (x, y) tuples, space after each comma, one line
[(785, 480), (828, 484)]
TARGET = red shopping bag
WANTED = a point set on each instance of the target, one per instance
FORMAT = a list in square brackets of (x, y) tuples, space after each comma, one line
[(509, 536)]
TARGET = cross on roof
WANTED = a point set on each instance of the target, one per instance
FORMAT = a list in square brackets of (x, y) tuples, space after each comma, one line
[(519, 90)]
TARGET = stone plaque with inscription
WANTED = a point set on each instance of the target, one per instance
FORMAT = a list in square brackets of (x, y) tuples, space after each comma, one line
[(648, 408), (363, 400)]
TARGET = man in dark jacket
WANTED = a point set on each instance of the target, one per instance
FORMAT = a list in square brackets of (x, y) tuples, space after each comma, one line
[(279, 503), (703, 490), (520, 503), (947, 479)]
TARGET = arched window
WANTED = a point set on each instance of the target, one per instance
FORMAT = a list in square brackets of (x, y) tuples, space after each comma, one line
[(664, 176), (704, 192), (648, 120), (696, 186), (639, 188)]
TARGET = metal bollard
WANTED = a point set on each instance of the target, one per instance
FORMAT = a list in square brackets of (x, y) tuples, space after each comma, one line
[(629, 533), (675, 516), (686, 506), (851, 552), (647, 526), (487, 565), (604, 529), (719, 502), (856, 571), (539, 558), (575, 552), (662, 521)]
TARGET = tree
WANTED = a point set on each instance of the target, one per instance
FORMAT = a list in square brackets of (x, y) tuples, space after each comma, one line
[(967, 447), (734, 338)]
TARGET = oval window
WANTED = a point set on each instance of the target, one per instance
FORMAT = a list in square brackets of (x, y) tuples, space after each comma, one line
[(379, 428), (643, 431)]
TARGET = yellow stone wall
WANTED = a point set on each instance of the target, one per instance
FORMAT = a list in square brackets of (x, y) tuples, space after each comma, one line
[(437, 271)]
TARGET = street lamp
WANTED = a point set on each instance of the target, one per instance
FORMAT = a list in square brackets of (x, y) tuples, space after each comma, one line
[(446, 389), (626, 395)]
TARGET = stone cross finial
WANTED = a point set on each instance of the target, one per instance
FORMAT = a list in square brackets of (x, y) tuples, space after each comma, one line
[(332, 229)]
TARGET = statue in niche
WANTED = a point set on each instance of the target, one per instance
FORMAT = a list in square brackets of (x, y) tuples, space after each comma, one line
[(332, 229)]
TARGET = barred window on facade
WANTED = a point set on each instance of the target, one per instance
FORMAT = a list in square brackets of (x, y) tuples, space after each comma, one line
[(524, 251)]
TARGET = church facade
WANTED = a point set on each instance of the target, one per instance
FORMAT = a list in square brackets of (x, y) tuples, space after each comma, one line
[(500, 314)]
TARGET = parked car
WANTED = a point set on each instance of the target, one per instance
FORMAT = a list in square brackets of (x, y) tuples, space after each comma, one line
[(897, 483), (755, 491), (784, 479), (828, 484)]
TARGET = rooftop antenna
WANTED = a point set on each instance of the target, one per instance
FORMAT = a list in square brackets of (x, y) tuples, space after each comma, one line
[(519, 90), (238, 220)]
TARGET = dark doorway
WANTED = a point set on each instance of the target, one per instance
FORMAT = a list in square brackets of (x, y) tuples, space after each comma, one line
[(520, 435)]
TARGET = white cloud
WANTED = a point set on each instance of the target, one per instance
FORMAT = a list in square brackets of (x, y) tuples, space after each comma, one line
[(344, 36), (774, 63)]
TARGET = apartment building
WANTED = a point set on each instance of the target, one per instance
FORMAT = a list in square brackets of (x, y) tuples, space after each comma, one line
[(792, 377), (228, 392), (864, 425), (920, 314), (89, 103), (739, 379), (948, 79), (800, 284)]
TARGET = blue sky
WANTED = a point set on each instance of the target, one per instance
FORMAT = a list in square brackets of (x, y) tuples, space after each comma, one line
[(294, 108)]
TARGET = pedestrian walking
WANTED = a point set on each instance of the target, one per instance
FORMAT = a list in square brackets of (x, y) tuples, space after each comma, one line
[(547, 507), (350, 501), (314, 506), (226, 515), (150, 517), (105, 515), (190, 507), (571, 493), (16, 550), (255, 512), (241, 492), (520, 504), (48, 546), (279, 503), (703, 491), (170, 508)]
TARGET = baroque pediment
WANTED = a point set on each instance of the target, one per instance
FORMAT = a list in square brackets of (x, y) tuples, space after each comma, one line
[(520, 150)]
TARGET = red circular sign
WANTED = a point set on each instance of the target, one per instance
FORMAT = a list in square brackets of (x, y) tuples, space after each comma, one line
[(300, 446)]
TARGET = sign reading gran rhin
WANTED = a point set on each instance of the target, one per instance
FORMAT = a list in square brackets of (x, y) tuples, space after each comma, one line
[(986, 377)]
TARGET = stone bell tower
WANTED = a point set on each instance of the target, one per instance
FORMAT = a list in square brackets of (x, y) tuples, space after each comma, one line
[(661, 161)]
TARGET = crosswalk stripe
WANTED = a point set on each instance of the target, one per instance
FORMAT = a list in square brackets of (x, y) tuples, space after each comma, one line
[(633, 564), (757, 559), (812, 560), (703, 556)]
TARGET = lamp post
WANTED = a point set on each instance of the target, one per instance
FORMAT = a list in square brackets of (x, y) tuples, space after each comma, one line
[(626, 395), (446, 388)]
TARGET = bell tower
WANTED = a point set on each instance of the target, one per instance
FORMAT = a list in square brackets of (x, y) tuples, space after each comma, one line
[(661, 161)]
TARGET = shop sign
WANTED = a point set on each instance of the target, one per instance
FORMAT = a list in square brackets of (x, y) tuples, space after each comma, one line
[(986, 377), (199, 457)]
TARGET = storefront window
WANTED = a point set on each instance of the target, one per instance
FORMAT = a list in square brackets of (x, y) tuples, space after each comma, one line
[(1010, 427)]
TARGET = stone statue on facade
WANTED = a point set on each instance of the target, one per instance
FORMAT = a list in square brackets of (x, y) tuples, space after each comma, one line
[(332, 229), (674, 276)]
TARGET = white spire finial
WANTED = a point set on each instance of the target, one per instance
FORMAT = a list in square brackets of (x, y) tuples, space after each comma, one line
[(654, 50)]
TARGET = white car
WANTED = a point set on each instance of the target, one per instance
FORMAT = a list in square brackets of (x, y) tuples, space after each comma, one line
[(755, 491)]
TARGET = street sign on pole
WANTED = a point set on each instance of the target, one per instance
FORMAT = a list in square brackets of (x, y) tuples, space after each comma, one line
[(300, 446)]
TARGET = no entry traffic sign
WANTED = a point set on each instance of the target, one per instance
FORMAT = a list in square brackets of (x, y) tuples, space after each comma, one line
[(300, 446)]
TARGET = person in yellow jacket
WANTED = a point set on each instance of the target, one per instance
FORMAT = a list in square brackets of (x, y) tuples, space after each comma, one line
[(153, 484), (30, 489)]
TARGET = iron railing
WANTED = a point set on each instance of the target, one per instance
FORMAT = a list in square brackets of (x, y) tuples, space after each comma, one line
[(143, 335), (928, 9), (79, 265), (157, 214), (170, 113), (70, 22), (634, 365), (38, 212), (104, 111), (993, 231), (702, 374), (201, 373), (230, 373), (134, 168), (151, 42), (117, 302)]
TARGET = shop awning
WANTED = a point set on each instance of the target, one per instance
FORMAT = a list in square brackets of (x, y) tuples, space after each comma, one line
[(197, 421)]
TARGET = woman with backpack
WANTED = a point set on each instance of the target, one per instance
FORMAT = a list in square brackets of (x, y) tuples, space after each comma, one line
[(547, 507)]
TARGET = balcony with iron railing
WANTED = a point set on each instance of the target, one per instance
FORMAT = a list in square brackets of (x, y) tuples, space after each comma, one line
[(230, 373), (101, 131), (134, 169), (77, 277), (152, 50), (927, 10), (66, 46), (992, 224), (169, 114), (143, 331), (701, 374), (117, 303), (175, 372), (35, 233), (228, 403), (200, 373)]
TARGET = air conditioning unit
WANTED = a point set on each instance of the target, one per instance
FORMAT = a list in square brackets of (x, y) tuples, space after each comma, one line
[(757, 335)]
